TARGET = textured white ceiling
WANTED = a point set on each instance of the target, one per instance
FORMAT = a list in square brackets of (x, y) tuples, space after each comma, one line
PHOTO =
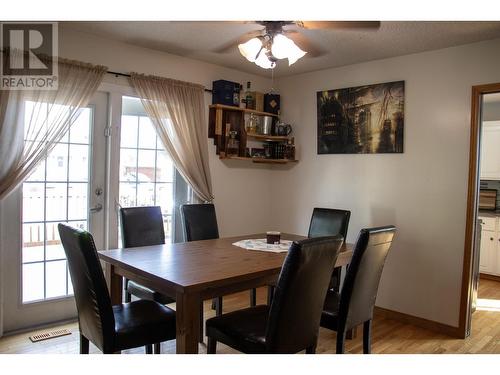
[(198, 40)]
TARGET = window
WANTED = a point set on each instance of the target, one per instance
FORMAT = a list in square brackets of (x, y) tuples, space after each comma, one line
[(56, 192), (147, 174)]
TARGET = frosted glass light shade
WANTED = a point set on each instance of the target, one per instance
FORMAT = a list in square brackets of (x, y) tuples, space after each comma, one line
[(250, 49), (263, 61), (284, 47)]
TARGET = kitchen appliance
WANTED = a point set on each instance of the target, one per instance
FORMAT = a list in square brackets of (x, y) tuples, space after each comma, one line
[(487, 199), (266, 125)]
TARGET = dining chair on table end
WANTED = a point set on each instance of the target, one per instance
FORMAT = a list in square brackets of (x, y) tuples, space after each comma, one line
[(354, 304), (286, 326), (199, 222), (325, 222), (110, 328)]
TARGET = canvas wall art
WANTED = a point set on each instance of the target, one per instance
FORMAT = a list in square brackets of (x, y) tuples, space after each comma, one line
[(361, 120)]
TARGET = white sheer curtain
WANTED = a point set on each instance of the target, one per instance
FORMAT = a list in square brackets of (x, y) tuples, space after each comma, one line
[(177, 109), (32, 121)]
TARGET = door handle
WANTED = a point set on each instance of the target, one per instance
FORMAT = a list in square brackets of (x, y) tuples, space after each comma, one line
[(96, 208)]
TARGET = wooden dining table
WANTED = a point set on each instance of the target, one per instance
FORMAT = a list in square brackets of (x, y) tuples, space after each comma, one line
[(192, 272)]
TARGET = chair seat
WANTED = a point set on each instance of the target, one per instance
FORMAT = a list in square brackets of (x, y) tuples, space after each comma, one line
[(329, 316), (142, 322), (142, 292), (243, 330)]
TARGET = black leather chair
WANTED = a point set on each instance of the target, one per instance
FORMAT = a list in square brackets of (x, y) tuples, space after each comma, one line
[(142, 226), (200, 223), (354, 305), (110, 328), (325, 222), (291, 323)]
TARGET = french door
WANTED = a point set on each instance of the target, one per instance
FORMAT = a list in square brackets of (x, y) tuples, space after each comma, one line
[(69, 186)]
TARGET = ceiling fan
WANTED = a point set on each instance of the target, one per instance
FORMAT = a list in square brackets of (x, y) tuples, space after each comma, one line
[(283, 39)]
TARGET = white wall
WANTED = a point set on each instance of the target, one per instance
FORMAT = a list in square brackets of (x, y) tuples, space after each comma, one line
[(422, 191), (242, 190)]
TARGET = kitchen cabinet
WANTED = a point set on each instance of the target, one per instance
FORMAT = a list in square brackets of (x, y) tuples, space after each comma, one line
[(489, 260), (490, 151)]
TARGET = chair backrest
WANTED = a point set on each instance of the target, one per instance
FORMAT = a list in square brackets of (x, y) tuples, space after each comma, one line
[(95, 314), (199, 222), (296, 308), (359, 291), (329, 222), (142, 226)]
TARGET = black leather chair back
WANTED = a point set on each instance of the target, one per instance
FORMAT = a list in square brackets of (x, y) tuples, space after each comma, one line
[(359, 291), (199, 222), (298, 300), (142, 226), (329, 222), (95, 314)]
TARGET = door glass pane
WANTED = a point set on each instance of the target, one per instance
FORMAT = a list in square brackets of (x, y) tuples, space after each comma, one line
[(57, 163), (53, 247), (78, 163), (33, 285), (33, 201), (147, 133), (33, 240), (56, 192), (146, 166), (77, 201), (128, 134), (56, 196), (128, 192), (55, 276), (128, 164)]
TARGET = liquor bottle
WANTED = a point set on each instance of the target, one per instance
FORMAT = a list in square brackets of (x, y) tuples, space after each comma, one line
[(249, 97), (242, 98)]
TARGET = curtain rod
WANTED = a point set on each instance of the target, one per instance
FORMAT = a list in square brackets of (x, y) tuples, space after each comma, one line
[(128, 75)]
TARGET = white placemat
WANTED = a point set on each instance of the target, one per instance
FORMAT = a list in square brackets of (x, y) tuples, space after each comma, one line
[(260, 244)]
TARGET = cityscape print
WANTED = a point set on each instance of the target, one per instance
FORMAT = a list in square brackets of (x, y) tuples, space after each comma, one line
[(361, 120)]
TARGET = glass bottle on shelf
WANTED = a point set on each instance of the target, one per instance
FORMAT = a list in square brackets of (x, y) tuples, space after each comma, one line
[(251, 124), (249, 97), (233, 145), (242, 98)]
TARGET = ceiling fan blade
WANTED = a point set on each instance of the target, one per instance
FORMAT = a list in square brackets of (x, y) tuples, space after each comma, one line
[(374, 25), (305, 44), (230, 46)]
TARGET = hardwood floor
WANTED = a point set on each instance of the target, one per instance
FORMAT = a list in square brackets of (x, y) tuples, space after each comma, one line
[(389, 336)]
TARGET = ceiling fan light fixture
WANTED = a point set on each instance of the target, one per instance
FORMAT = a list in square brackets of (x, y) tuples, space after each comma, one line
[(263, 61), (250, 49), (284, 47)]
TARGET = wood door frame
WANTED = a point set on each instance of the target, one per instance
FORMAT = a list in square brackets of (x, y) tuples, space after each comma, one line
[(471, 211)]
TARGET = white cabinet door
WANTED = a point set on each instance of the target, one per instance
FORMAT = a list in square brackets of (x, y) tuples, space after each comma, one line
[(490, 150), (488, 258)]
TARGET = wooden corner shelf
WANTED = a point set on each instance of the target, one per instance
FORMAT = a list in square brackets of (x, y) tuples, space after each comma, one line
[(244, 110), (223, 119), (268, 138), (258, 160)]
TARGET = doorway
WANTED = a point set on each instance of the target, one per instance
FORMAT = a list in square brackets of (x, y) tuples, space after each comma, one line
[(482, 237), (69, 187)]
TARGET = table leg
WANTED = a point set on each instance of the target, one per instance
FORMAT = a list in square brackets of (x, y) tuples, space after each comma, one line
[(115, 285), (187, 322)]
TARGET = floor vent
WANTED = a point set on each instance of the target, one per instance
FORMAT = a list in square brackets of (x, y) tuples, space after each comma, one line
[(50, 335)]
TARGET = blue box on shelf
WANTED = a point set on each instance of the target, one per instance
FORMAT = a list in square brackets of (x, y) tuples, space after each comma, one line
[(226, 92)]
